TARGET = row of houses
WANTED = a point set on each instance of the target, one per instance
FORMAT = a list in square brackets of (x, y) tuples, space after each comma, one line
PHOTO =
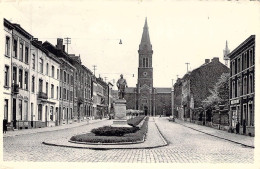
[(46, 86), (192, 92)]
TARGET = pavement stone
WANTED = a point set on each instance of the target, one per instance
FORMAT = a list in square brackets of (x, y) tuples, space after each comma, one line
[(237, 138), (185, 145), (46, 129)]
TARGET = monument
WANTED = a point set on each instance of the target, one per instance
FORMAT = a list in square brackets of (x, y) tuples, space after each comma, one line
[(120, 104)]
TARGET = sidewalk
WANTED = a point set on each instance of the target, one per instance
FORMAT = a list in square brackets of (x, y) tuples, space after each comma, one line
[(236, 138), (153, 140), (46, 129)]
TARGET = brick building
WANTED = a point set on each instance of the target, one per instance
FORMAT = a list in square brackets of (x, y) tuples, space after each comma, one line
[(195, 87), (153, 101), (242, 87)]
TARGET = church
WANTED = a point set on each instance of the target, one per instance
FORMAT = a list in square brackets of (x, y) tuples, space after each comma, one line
[(153, 101)]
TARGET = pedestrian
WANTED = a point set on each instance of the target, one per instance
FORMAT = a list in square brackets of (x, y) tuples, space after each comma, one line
[(4, 125)]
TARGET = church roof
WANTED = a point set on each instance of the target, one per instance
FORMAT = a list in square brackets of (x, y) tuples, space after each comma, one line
[(163, 90), (145, 41)]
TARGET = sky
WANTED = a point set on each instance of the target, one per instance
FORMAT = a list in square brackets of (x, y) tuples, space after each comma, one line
[(180, 32)]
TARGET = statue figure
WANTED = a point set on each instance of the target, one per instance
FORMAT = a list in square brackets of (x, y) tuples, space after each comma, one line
[(121, 85)]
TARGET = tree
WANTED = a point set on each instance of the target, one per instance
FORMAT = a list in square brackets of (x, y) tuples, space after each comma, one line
[(220, 92)]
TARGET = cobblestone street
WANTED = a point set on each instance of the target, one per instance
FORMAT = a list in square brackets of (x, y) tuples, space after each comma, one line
[(185, 146)]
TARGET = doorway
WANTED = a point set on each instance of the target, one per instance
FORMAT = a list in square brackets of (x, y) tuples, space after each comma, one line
[(14, 113), (145, 110)]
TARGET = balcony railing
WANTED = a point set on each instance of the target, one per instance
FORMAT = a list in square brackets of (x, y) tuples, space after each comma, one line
[(42, 95), (15, 88)]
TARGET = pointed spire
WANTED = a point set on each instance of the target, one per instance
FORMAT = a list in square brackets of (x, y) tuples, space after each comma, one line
[(145, 41), (226, 51)]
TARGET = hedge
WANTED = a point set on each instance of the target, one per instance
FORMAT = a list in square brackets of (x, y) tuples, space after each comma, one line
[(130, 137), (135, 121), (113, 131)]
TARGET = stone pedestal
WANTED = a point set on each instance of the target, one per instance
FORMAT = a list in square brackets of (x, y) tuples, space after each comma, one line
[(120, 114)]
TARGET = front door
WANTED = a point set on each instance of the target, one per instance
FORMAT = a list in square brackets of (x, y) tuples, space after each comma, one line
[(145, 110), (14, 113)]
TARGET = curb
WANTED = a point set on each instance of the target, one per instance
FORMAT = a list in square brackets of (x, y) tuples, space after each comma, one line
[(217, 136), (108, 148), (166, 142), (51, 130)]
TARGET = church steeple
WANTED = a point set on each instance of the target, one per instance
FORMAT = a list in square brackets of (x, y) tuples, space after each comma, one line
[(226, 51), (145, 41)]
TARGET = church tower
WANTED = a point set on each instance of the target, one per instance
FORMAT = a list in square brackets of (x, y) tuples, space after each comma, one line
[(145, 73)]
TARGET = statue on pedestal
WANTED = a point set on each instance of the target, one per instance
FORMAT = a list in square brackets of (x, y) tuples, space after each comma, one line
[(121, 85)]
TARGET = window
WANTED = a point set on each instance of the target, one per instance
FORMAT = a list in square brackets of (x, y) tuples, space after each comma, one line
[(238, 65), (57, 96), (20, 78), (64, 93), (40, 85), (47, 87), (6, 82), (58, 74), (39, 112), (7, 46), (33, 84), (251, 58), (6, 109), (14, 75), (245, 85), (47, 69), (15, 48), (31, 111), (26, 80), (251, 114), (238, 87), (64, 77), (21, 52), (41, 65), (51, 113), (251, 84), (71, 80), (60, 92), (52, 71), (20, 108), (26, 110), (26, 54), (52, 91), (68, 78), (33, 61), (68, 94)]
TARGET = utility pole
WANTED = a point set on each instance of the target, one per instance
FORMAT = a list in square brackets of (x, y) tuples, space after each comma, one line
[(95, 69), (67, 41), (187, 66)]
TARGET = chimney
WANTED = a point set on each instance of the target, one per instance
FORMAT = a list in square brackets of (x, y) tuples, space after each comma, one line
[(59, 43), (207, 60), (215, 59)]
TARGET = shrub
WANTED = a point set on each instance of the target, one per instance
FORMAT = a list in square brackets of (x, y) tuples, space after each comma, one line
[(135, 121), (113, 131), (130, 137)]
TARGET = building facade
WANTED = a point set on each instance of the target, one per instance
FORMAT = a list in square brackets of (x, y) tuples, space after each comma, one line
[(242, 87), (153, 101), (195, 87), (44, 86), (8, 85)]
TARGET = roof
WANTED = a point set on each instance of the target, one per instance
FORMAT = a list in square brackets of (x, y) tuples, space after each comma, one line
[(145, 41), (237, 49), (163, 90)]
